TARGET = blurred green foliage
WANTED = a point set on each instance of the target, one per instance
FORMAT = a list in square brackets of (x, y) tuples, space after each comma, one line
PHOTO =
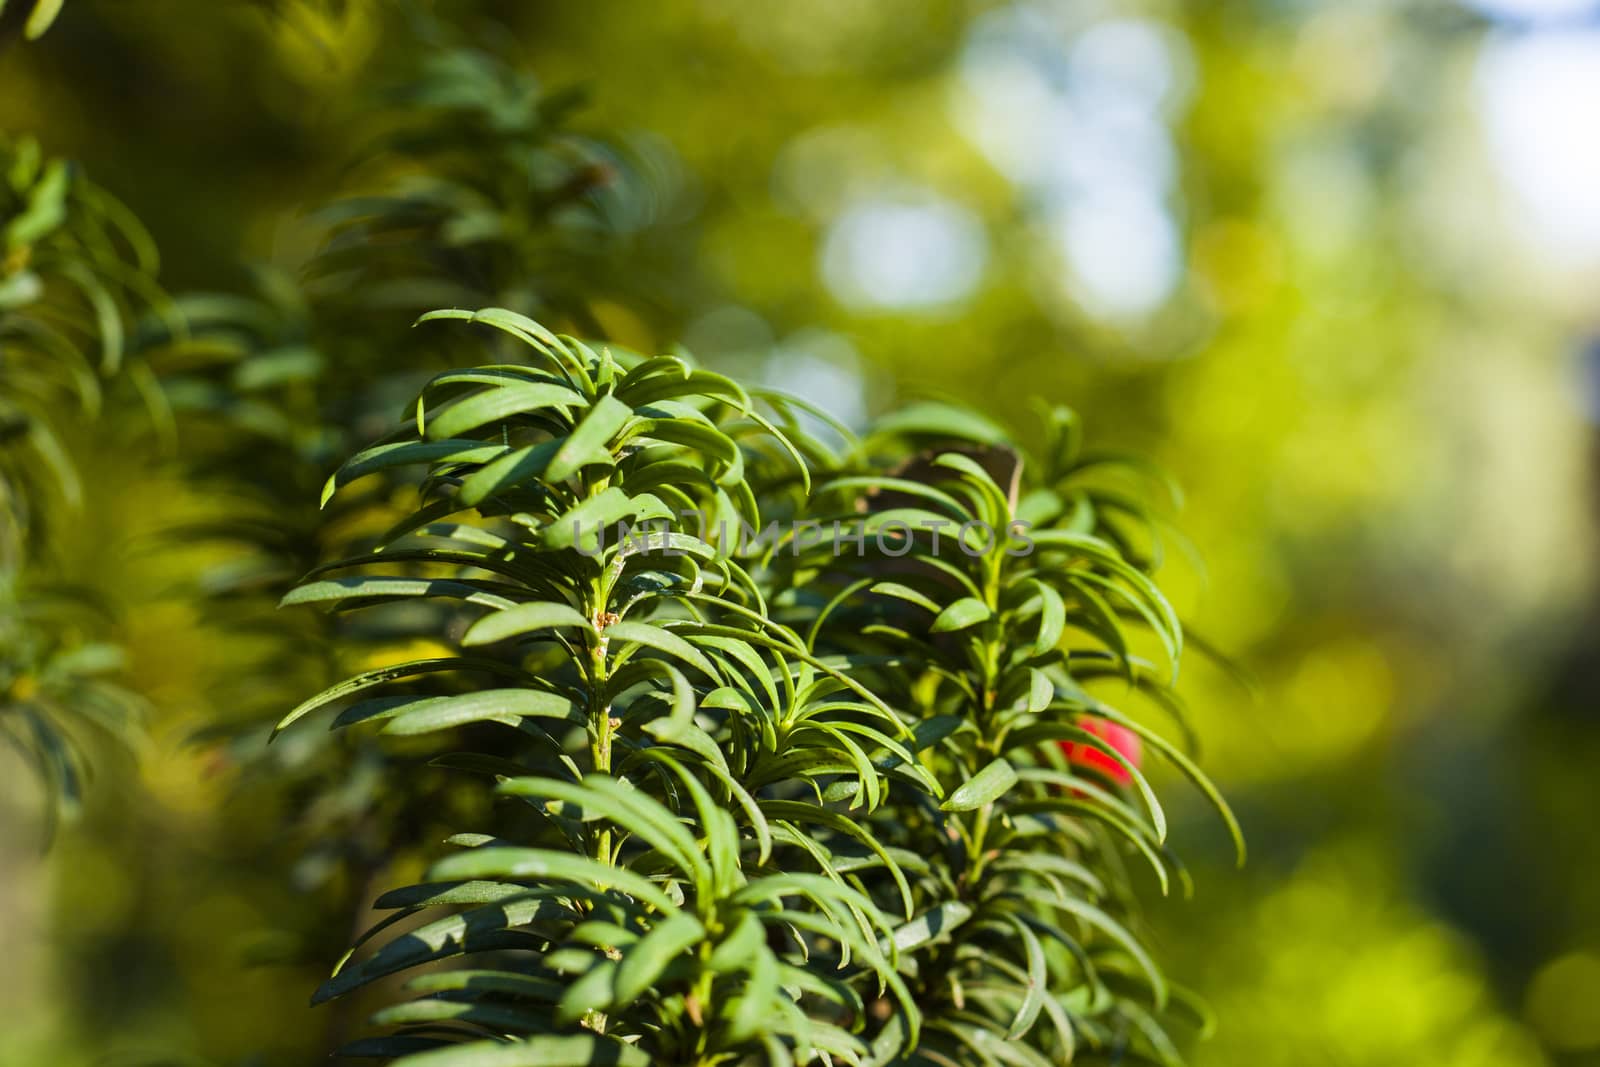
[(1365, 394)]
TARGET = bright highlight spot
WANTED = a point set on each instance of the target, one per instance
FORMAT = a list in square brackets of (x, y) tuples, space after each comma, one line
[(1123, 250), (1534, 10), (907, 253), (1539, 95), (1079, 121)]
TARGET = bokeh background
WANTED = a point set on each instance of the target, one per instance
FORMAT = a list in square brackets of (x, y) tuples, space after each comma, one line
[(1332, 262)]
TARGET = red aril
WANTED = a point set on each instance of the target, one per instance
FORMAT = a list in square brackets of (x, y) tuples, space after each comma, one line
[(1124, 740)]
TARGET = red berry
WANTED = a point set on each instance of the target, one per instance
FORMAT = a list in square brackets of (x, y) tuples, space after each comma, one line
[(1124, 740)]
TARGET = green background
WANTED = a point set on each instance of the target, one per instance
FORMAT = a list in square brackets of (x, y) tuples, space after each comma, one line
[(1363, 374)]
